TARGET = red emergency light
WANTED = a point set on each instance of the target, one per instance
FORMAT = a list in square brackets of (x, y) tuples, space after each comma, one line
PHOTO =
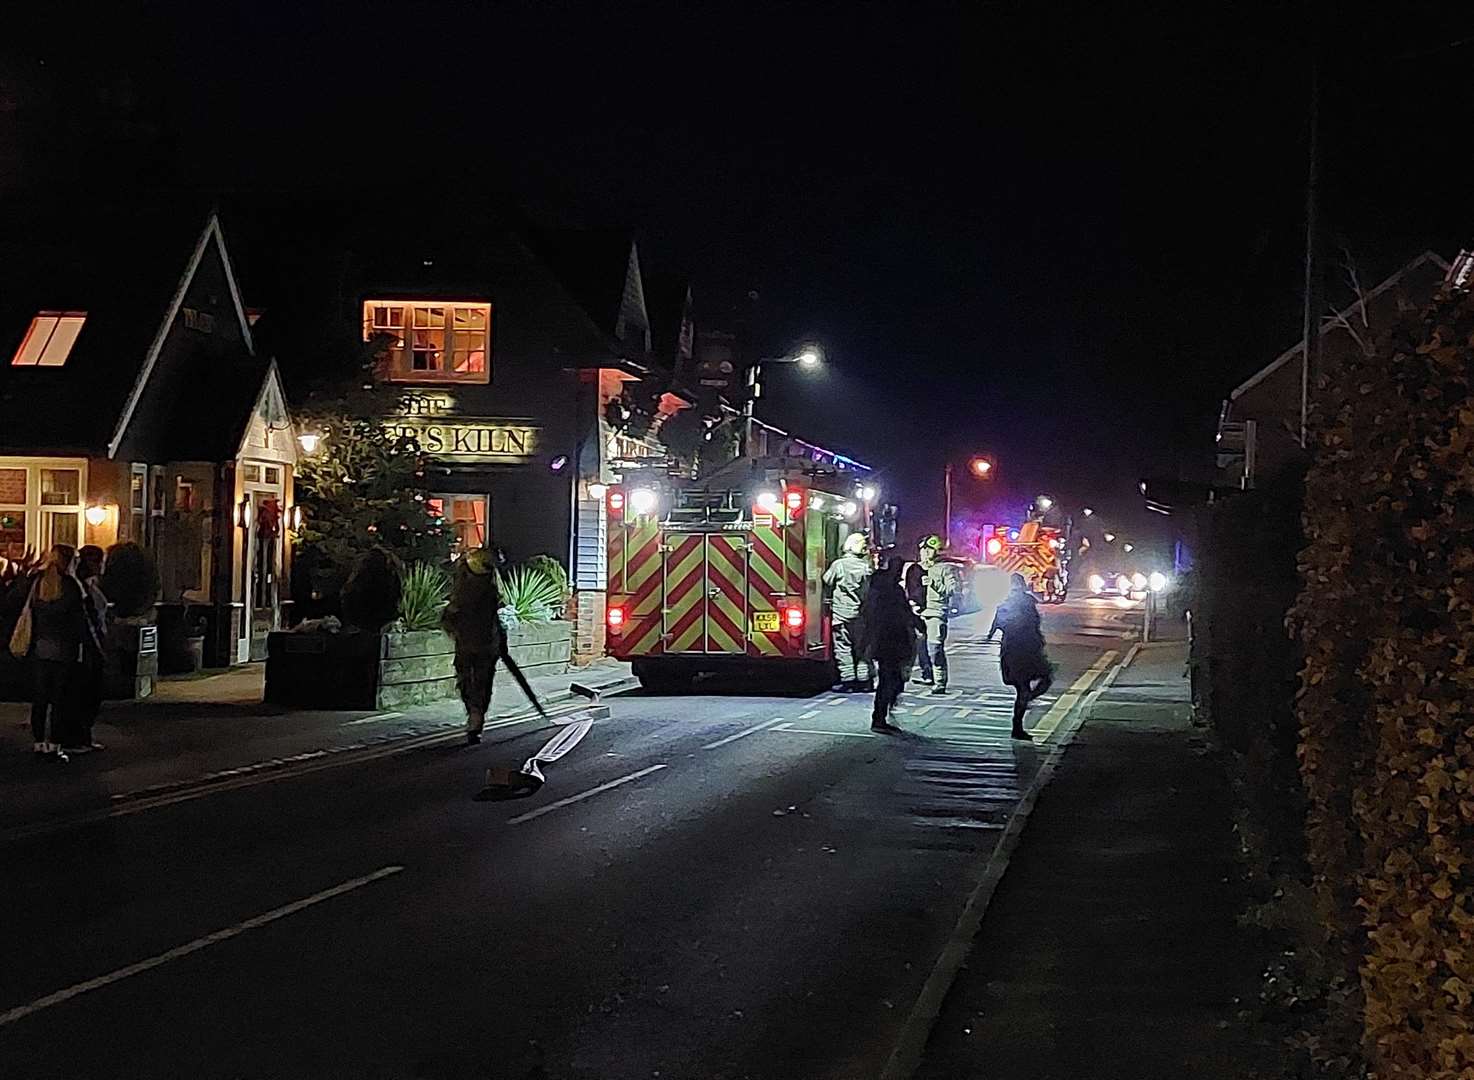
[(614, 617), (616, 501), (994, 547), (793, 498), (793, 618)]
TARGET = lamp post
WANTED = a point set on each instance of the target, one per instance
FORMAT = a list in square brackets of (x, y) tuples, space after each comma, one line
[(809, 358)]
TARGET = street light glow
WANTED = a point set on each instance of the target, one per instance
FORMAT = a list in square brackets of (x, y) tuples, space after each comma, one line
[(309, 441), (1044, 502), (810, 358), (1158, 581), (1110, 538), (1087, 511), (1128, 547), (981, 467), (869, 493), (642, 501)]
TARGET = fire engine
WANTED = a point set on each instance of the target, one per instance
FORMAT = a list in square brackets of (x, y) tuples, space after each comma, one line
[(1035, 550), (706, 576)]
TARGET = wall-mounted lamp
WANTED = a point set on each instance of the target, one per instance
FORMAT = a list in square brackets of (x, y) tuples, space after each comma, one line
[(243, 513), (294, 518), (309, 441), (95, 514), (596, 491)]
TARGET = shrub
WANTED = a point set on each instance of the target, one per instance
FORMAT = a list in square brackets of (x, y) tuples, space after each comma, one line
[(423, 598), (530, 594), (371, 593), (1387, 624), (550, 566), (131, 581)]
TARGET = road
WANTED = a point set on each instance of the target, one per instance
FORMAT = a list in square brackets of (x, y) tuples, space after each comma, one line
[(722, 885)]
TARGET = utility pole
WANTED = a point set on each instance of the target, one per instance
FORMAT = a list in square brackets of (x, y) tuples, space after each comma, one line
[(1310, 360), (947, 512)]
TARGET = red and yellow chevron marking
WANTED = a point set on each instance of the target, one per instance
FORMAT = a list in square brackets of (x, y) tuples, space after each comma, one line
[(1029, 561), (793, 536), (726, 605), (685, 593), (767, 582), (639, 578)]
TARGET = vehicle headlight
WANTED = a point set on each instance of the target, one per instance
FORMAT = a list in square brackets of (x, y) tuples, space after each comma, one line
[(1097, 583), (642, 501), (1158, 581), (1123, 583), (1138, 580)]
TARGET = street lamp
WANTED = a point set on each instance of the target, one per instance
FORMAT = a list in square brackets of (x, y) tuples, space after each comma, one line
[(1087, 511), (981, 467), (1044, 502), (1110, 538), (809, 358)]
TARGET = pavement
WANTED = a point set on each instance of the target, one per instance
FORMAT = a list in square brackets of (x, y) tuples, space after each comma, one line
[(733, 883), (1111, 947), (207, 729)]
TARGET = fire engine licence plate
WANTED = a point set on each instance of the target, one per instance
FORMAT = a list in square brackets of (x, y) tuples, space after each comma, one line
[(765, 622)]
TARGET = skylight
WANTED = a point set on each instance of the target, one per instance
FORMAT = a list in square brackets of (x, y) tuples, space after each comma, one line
[(50, 339)]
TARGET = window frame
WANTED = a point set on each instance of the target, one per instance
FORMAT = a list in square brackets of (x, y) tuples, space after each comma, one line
[(51, 353), (39, 515), (400, 367)]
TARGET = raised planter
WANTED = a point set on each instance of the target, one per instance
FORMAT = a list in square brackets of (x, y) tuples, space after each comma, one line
[(541, 648), (392, 670)]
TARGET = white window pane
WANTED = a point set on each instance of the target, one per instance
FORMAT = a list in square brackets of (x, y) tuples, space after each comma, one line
[(61, 487), (62, 339), (29, 353)]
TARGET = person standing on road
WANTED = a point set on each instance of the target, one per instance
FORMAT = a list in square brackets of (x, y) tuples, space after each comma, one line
[(58, 628), (471, 619), (87, 700), (889, 628), (1024, 664), (848, 578), (931, 586)]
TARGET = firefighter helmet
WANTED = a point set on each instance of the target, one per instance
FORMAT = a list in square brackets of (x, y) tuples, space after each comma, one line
[(857, 543), (932, 542), (479, 561)]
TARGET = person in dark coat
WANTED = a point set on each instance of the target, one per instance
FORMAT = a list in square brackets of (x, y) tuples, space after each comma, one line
[(58, 628), (1024, 665), (88, 702), (890, 628), (474, 626)]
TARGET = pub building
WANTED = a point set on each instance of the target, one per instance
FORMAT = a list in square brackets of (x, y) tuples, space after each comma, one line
[(134, 406), (498, 349)]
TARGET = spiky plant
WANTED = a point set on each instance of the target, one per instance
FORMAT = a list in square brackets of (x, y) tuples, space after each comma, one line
[(426, 589)]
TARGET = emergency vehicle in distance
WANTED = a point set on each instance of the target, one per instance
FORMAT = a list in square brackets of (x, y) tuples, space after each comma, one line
[(726, 573), (1035, 550)]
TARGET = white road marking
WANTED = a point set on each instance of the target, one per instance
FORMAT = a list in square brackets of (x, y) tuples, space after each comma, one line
[(20, 1012), (922, 710), (582, 795), (789, 729), (836, 701), (373, 719), (808, 715), (744, 733)]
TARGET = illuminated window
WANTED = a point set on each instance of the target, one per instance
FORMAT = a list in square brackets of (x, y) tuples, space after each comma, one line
[(49, 339), (431, 341), (465, 515), (40, 504)]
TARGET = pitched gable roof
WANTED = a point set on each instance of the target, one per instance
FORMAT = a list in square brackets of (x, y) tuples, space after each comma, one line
[(1426, 264), (128, 270)]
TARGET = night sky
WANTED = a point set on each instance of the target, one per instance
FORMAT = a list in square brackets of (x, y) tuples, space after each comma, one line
[(1058, 233)]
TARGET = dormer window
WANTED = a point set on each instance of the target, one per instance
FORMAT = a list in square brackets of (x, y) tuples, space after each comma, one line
[(431, 340), (49, 340)]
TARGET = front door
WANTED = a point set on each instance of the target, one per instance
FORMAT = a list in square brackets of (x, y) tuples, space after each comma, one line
[(262, 568)]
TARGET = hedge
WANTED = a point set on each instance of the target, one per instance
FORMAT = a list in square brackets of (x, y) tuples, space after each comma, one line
[(1386, 621)]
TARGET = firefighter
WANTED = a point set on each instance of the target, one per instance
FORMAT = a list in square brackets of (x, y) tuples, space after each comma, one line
[(848, 578), (931, 587), (1024, 664), (471, 620)]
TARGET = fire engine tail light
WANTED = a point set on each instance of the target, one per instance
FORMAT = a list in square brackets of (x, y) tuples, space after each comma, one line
[(793, 498), (616, 501), (614, 617), (793, 619)]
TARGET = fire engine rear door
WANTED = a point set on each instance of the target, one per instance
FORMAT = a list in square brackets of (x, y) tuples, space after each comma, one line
[(705, 593)]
